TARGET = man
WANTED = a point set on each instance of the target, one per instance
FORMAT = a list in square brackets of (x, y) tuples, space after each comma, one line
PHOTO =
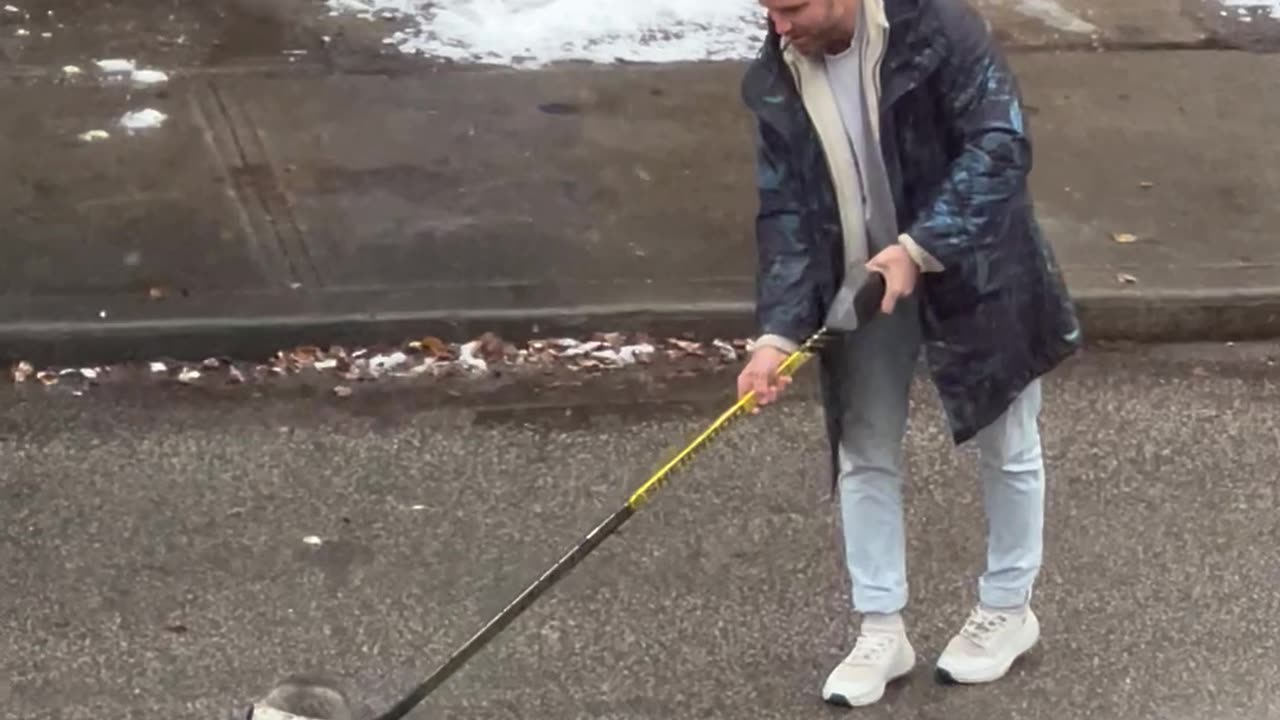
[(890, 136)]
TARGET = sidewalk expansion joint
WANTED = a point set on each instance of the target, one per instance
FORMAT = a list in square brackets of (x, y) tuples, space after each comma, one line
[(265, 205)]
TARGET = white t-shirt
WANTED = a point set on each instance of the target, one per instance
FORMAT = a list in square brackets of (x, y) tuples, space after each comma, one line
[(844, 73)]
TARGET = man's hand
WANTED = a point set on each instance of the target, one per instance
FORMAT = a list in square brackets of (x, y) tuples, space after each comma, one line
[(761, 375), (900, 274)]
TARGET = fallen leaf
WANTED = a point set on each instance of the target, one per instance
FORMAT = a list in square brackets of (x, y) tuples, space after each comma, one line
[(426, 365), (614, 339), (342, 391), (688, 346), (212, 363), (1124, 238), (490, 347), (727, 351), (22, 371), (157, 293), (632, 354), (383, 363), (312, 540), (1146, 184), (1126, 278), (158, 367), (89, 373), (234, 375), (434, 347), (47, 377), (306, 355), (188, 375), (468, 357), (581, 349), (327, 364), (608, 355)]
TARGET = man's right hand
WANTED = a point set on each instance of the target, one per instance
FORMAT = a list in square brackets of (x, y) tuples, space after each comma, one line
[(761, 375)]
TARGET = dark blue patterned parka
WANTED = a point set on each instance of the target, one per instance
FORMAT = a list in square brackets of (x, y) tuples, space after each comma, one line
[(958, 156)]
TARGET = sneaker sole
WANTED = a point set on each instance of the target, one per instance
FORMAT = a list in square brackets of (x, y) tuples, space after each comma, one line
[(948, 677), (843, 700)]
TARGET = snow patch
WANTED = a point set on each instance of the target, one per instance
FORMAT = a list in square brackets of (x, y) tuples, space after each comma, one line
[(116, 65), (1267, 7), (1051, 12), (149, 77), (532, 33), (143, 119)]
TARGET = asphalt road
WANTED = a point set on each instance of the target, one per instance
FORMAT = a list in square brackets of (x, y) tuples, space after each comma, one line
[(154, 564)]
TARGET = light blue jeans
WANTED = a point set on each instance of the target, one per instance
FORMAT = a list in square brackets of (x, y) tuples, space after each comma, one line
[(884, 355)]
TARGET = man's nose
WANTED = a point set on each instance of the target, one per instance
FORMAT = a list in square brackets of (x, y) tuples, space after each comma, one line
[(783, 27)]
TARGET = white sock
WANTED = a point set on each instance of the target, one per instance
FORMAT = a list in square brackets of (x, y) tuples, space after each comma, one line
[(883, 621)]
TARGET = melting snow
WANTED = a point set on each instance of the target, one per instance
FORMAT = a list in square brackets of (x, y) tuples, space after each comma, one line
[(536, 32), (115, 65), (143, 119), (149, 77), (1268, 7)]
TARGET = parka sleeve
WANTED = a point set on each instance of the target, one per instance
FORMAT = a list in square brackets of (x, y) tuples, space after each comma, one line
[(787, 306), (983, 106)]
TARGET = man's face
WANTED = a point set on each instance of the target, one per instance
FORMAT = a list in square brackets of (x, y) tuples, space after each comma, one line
[(810, 25)]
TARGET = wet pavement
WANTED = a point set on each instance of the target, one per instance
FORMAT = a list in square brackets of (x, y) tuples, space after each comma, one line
[(38, 37), (311, 185), (270, 211), (155, 563)]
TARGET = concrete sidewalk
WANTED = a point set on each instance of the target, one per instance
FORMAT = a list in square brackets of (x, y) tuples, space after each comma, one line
[(305, 206)]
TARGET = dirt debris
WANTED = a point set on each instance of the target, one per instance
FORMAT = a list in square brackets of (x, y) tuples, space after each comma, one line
[(430, 357)]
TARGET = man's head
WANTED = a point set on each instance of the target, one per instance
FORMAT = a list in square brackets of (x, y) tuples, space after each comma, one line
[(814, 26)]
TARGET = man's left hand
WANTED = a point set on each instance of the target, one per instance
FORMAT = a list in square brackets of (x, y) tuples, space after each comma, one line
[(900, 274)]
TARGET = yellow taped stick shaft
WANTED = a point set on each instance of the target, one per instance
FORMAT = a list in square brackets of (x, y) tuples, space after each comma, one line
[(788, 368)]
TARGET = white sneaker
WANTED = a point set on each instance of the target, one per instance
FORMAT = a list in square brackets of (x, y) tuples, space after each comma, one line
[(985, 648), (882, 654)]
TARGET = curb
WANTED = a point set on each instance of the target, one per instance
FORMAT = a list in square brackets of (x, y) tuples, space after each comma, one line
[(1147, 318), (1180, 316)]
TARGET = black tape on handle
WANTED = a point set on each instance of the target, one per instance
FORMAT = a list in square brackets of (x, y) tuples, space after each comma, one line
[(869, 298)]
